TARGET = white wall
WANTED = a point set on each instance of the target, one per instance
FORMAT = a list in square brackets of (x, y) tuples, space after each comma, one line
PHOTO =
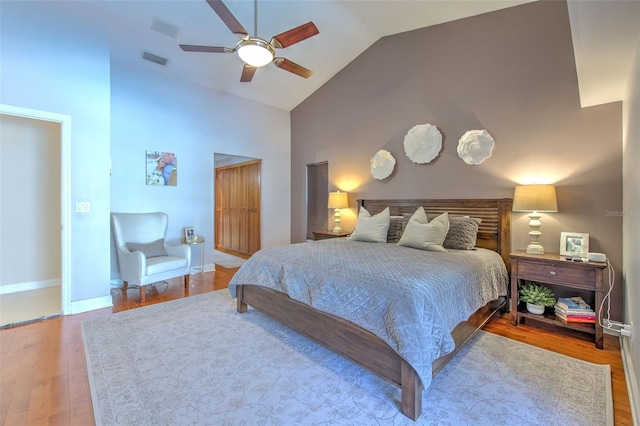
[(631, 215), (52, 61), (152, 111)]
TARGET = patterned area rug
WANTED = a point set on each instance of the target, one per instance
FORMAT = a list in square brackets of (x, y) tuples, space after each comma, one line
[(227, 260), (197, 361)]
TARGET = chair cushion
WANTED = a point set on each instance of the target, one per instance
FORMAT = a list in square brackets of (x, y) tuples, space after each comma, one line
[(160, 264), (150, 250)]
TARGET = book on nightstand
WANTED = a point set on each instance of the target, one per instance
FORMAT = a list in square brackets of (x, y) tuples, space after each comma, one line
[(581, 320), (575, 310), (573, 303)]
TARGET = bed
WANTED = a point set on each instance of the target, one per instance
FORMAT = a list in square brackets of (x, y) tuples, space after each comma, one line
[(390, 354)]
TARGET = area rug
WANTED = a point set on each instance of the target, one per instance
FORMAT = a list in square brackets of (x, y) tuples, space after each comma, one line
[(197, 361), (227, 260)]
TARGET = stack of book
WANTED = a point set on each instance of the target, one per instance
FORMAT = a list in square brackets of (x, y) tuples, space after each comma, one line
[(574, 309)]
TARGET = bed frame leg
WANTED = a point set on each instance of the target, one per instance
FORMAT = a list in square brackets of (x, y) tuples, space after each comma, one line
[(241, 307), (411, 392)]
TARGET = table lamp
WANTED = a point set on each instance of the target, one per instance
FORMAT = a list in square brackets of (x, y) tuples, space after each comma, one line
[(535, 199), (337, 200)]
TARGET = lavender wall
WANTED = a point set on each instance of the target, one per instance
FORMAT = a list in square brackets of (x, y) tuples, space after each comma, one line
[(511, 72)]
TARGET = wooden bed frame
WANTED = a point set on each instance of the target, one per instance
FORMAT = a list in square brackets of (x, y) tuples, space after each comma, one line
[(363, 347)]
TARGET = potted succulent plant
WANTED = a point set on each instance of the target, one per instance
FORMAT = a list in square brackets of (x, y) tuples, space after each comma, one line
[(537, 297)]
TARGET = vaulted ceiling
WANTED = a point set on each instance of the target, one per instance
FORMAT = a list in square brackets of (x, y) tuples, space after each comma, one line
[(605, 34)]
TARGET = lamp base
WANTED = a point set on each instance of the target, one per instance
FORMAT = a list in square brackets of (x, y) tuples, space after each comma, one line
[(534, 246), (535, 249), (336, 222)]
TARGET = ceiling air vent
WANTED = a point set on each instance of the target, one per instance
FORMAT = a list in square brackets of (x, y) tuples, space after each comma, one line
[(155, 58), (164, 28)]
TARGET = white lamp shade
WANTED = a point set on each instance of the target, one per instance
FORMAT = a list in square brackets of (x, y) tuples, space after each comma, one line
[(338, 200), (538, 198)]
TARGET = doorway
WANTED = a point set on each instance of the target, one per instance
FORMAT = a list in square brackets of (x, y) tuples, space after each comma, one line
[(35, 184), (317, 197), (237, 222)]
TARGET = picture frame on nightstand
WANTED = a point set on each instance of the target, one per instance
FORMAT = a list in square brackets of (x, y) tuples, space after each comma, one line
[(574, 244)]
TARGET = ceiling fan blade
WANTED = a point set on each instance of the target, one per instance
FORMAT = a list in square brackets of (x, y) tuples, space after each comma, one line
[(291, 66), (294, 35), (227, 17), (247, 73), (208, 49)]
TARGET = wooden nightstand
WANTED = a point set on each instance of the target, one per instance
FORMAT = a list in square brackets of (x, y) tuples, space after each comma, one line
[(325, 235), (551, 268)]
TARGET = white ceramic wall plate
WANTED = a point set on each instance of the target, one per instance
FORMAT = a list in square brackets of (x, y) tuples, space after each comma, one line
[(382, 164), (423, 143), (475, 146)]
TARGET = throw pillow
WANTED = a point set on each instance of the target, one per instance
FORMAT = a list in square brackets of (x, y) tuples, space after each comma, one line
[(425, 236), (154, 249), (463, 232), (396, 226), (371, 228)]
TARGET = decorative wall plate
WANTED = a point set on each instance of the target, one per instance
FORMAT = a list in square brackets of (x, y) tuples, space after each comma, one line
[(423, 143), (382, 164), (475, 146)]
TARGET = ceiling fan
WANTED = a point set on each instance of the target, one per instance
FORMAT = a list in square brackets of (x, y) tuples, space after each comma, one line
[(254, 51)]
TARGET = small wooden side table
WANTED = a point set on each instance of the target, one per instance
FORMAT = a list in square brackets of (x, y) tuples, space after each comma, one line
[(325, 235), (551, 268)]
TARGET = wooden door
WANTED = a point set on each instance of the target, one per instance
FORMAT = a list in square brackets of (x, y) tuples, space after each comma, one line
[(237, 217)]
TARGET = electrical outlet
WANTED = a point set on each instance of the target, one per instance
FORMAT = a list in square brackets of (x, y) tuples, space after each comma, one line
[(612, 325), (618, 327), (83, 206)]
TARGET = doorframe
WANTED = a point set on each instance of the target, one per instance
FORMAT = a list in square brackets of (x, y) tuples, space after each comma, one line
[(65, 191)]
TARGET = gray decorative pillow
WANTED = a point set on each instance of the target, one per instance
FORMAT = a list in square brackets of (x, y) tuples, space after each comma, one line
[(154, 249), (396, 226), (463, 232)]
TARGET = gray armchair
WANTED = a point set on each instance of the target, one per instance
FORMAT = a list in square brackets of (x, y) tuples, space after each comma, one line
[(143, 255)]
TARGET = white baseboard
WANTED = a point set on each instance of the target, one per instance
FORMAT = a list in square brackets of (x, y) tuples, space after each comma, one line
[(31, 285), (91, 304), (630, 377)]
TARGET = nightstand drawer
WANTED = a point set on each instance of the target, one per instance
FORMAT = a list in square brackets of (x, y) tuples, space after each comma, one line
[(556, 274)]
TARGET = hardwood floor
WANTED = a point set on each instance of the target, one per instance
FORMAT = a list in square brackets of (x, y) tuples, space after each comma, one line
[(43, 374)]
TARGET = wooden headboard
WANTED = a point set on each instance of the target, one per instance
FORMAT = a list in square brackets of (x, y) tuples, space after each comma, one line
[(494, 232)]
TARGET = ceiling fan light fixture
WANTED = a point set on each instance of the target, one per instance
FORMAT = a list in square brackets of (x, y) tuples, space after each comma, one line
[(255, 52)]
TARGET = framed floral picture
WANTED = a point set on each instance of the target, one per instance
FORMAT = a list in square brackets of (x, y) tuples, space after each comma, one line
[(574, 244), (161, 168)]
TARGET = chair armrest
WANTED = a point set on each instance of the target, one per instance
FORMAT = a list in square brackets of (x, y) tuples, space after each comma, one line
[(182, 250), (132, 265)]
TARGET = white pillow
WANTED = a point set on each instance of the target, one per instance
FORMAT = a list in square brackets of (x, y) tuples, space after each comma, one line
[(425, 236), (371, 228)]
